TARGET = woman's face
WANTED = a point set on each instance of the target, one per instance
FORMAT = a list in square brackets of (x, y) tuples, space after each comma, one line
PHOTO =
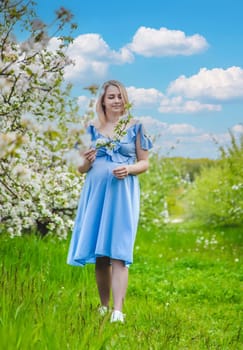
[(113, 101)]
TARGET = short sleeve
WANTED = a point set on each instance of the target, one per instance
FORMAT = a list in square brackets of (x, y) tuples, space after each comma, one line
[(145, 141), (91, 131)]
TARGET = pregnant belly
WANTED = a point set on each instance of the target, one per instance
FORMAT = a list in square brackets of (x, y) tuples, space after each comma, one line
[(102, 169)]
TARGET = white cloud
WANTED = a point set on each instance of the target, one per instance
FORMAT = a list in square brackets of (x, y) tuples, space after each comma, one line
[(155, 126), (195, 139), (184, 139), (144, 97), (54, 44), (93, 46), (238, 128), (85, 71), (165, 42), (179, 105), (83, 102), (151, 124), (197, 146), (91, 57), (182, 129), (220, 84), (153, 98), (88, 45), (221, 139)]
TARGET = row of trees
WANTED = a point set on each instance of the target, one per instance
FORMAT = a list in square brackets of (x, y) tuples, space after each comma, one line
[(206, 191), (164, 187), (216, 196)]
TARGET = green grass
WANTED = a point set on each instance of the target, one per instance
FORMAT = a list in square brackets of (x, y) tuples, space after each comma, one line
[(185, 293)]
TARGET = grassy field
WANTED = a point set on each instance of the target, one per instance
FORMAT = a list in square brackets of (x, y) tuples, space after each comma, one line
[(185, 292)]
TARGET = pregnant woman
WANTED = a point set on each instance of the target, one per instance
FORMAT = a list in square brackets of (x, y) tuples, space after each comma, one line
[(108, 212)]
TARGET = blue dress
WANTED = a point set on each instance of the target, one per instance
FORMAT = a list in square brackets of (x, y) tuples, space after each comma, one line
[(108, 210)]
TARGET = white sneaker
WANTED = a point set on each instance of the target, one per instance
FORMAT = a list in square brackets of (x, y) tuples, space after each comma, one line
[(102, 310), (117, 316)]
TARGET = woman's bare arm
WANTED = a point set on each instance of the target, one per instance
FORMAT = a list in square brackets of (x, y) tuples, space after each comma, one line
[(88, 157)]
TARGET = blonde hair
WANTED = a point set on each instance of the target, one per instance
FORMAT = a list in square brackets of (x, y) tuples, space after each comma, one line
[(100, 108)]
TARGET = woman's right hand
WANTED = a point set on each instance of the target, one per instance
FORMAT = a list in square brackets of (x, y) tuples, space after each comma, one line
[(90, 155)]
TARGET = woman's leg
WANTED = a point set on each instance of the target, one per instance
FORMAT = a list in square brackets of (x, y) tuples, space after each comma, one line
[(119, 281), (103, 279)]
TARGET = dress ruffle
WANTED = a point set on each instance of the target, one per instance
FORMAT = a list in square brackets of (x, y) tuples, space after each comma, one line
[(145, 141)]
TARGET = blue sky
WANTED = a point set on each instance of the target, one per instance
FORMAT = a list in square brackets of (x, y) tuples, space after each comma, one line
[(181, 61)]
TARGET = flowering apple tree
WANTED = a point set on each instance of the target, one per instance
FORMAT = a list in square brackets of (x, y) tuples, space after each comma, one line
[(39, 123)]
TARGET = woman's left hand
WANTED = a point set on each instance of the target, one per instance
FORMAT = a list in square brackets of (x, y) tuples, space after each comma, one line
[(121, 172)]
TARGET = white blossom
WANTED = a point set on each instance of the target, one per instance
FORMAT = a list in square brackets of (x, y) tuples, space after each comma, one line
[(74, 158), (86, 140)]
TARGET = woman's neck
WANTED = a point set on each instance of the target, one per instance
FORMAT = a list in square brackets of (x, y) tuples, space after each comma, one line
[(112, 119)]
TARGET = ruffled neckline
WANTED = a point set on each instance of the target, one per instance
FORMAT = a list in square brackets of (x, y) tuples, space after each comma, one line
[(127, 139)]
